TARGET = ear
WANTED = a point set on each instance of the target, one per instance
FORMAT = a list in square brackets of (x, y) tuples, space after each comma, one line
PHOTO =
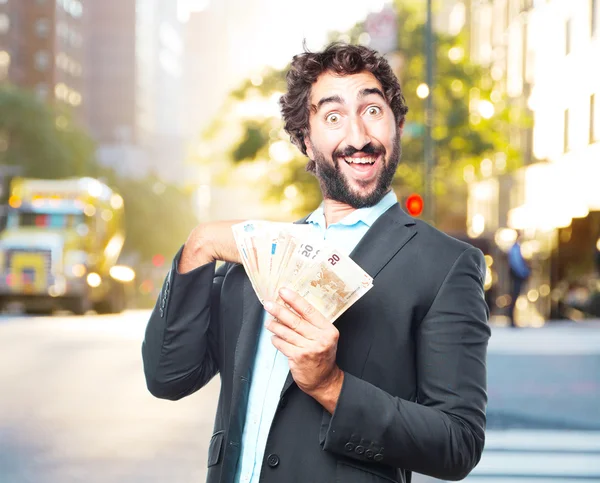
[(309, 147), (401, 126)]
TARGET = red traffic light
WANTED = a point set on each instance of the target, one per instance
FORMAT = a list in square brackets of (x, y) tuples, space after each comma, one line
[(414, 205), (158, 260)]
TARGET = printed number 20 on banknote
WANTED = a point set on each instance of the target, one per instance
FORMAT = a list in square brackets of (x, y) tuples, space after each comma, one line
[(333, 284)]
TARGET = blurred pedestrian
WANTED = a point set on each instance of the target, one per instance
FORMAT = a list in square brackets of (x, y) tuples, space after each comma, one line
[(398, 384), (519, 273)]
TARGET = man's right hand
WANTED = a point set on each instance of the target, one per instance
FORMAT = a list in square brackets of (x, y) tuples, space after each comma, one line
[(209, 242)]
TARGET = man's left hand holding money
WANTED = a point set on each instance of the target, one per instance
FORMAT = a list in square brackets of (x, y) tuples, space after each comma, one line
[(309, 341)]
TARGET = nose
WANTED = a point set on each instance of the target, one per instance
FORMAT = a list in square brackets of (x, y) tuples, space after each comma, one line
[(357, 136)]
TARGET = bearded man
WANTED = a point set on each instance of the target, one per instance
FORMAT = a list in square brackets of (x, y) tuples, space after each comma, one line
[(398, 383)]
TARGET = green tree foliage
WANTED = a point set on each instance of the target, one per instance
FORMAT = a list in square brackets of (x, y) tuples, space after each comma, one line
[(43, 140), (256, 135), (158, 216), (463, 136)]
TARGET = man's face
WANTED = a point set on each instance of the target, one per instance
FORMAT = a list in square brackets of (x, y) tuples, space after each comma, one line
[(354, 139)]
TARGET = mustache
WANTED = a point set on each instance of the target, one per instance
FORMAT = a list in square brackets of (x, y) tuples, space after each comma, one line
[(367, 149)]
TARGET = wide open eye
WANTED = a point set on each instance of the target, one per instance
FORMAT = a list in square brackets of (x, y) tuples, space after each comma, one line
[(374, 110), (333, 118)]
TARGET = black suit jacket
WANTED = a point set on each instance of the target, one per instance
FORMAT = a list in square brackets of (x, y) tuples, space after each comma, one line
[(413, 350)]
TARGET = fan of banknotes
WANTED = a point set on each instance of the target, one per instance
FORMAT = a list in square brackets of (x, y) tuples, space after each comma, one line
[(295, 256)]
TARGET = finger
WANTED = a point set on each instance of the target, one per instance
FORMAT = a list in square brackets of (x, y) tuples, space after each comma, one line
[(284, 347), (285, 333), (306, 310), (288, 318)]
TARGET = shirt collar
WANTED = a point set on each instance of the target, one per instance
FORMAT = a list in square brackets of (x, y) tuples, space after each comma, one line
[(368, 215)]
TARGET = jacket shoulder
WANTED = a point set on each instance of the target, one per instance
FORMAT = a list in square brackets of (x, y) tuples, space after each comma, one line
[(433, 239)]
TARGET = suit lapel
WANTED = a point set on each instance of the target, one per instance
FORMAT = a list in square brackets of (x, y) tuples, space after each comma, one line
[(390, 232), (386, 237)]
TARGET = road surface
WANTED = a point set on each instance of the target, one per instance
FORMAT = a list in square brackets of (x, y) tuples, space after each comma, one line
[(74, 406)]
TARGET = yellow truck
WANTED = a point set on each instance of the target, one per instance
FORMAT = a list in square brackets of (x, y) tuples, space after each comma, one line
[(61, 245)]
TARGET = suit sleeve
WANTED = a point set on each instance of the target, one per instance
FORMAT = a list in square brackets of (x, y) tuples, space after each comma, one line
[(179, 350), (442, 434)]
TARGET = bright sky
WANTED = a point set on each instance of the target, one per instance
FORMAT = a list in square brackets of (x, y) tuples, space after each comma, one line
[(289, 24), (270, 32)]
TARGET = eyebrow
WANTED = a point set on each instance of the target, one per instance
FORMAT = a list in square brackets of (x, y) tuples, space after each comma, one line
[(371, 90), (338, 100), (328, 100)]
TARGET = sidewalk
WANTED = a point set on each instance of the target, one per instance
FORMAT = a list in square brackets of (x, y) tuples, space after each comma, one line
[(499, 321)]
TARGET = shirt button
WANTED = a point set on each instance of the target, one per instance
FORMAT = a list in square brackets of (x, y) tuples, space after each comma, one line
[(359, 450), (378, 457), (273, 460), (369, 454), (349, 447), (282, 402)]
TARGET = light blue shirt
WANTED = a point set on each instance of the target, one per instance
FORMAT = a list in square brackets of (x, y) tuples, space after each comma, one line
[(271, 366)]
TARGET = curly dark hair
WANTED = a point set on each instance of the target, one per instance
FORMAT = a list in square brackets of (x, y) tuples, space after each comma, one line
[(341, 59)]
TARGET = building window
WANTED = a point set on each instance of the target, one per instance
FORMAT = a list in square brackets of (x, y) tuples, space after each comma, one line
[(74, 98), (42, 28), (62, 30), (73, 7), (568, 37), (75, 39), (526, 5), (4, 64), (4, 23), (594, 120), (593, 17), (76, 9), (42, 90), (566, 132), (64, 62), (61, 91), (42, 60)]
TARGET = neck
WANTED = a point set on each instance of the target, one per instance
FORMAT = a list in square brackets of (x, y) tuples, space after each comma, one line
[(335, 211)]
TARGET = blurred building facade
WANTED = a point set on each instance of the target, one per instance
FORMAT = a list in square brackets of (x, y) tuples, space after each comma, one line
[(134, 54), (218, 38), (205, 67), (111, 85), (541, 55), (117, 64), (111, 71), (42, 49), (160, 87)]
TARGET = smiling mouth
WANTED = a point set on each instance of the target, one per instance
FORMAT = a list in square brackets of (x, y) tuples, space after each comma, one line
[(362, 160)]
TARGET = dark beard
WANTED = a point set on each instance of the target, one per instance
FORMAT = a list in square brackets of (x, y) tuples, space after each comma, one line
[(335, 186)]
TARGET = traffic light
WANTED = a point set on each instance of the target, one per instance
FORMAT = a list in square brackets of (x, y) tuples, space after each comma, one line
[(414, 205), (158, 260)]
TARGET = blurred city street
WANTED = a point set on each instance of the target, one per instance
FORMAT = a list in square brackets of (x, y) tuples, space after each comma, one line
[(127, 124), (74, 405)]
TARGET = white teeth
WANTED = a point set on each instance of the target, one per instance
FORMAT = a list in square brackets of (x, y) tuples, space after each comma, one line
[(360, 160)]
